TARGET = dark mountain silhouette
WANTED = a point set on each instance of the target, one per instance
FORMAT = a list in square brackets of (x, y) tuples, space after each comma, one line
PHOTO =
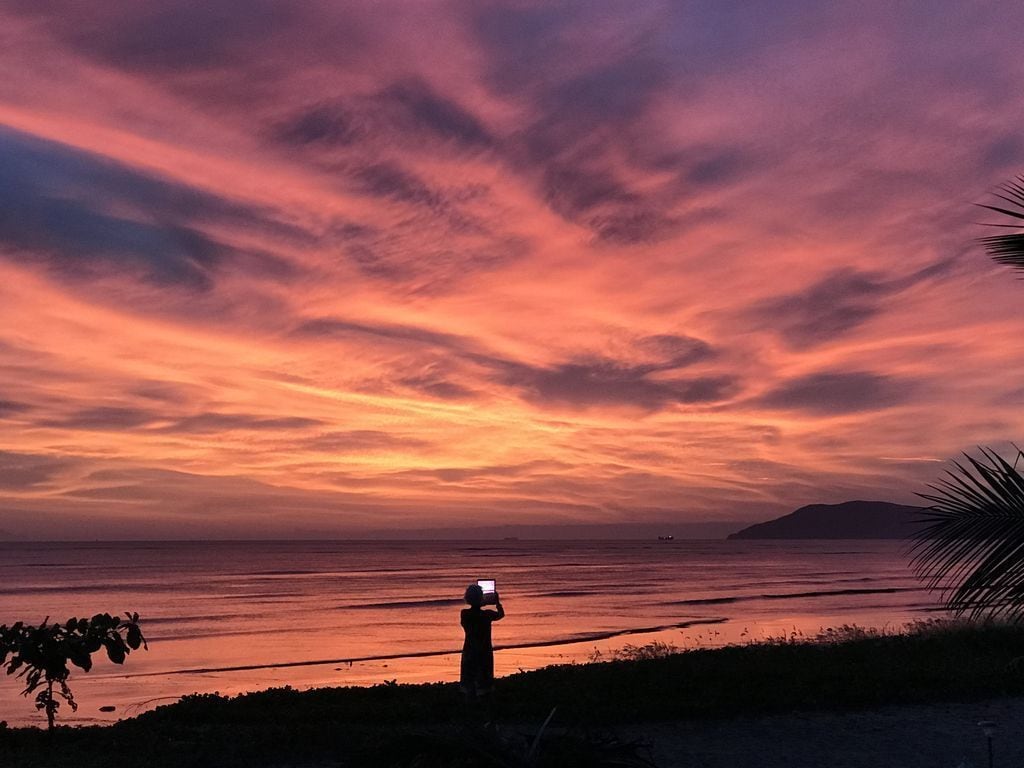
[(849, 520)]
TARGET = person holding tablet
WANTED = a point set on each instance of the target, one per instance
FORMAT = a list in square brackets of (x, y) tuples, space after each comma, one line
[(477, 676)]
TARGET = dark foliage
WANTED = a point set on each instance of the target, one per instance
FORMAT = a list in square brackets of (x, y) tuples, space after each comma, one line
[(40, 654), (972, 544)]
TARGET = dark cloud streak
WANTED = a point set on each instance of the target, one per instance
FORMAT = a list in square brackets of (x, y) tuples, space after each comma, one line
[(836, 393), (103, 419), (10, 408), (836, 304), (419, 109), (24, 471), (329, 327), (56, 203), (168, 38), (211, 423)]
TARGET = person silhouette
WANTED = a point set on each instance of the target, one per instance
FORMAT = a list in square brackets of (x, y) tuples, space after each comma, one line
[(477, 678)]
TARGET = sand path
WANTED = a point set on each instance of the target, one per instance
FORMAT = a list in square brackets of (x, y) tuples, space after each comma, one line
[(931, 735)]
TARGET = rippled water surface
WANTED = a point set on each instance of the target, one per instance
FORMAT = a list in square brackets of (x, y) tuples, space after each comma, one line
[(356, 613)]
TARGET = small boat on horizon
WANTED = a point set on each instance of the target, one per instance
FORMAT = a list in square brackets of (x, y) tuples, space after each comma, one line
[(670, 537)]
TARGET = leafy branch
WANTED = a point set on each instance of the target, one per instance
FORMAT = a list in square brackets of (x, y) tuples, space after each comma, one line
[(1008, 249), (40, 654), (971, 544)]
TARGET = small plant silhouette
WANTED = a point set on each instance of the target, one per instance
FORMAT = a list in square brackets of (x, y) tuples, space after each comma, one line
[(42, 653)]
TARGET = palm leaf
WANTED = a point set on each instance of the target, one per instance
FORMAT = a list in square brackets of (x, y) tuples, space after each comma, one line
[(1008, 249), (971, 543)]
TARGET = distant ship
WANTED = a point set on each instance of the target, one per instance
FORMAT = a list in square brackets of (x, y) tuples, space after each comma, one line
[(666, 538)]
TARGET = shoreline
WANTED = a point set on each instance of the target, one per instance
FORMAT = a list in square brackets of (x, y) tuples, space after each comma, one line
[(558, 642)]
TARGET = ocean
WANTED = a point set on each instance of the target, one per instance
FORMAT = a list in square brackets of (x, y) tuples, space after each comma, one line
[(232, 617)]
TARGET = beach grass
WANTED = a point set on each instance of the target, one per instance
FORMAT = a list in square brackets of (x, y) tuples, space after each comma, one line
[(840, 670)]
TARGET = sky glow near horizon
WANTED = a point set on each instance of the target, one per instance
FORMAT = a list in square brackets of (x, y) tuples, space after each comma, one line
[(294, 269)]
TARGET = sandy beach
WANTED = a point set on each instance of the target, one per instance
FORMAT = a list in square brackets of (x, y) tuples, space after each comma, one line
[(916, 736)]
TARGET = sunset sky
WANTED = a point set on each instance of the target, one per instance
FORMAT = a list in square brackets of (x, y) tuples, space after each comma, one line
[(330, 268)]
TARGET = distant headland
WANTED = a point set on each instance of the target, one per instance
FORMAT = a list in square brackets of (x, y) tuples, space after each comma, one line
[(849, 520)]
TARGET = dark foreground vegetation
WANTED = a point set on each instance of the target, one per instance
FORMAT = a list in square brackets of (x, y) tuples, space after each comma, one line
[(427, 725)]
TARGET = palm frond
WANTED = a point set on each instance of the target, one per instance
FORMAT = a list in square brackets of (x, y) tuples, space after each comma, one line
[(1008, 249), (971, 543)]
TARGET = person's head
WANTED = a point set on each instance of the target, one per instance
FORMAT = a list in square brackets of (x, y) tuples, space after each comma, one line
[(475, 595)]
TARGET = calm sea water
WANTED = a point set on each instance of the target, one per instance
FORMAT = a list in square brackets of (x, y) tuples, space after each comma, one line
[(358, 613)]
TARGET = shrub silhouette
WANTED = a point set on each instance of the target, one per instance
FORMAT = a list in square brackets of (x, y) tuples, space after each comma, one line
[(42, 653)]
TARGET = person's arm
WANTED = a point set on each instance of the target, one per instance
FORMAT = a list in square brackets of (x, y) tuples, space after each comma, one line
[(500, 610)]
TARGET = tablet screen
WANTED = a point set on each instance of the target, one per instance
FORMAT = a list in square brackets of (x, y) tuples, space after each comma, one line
[(487, 585)]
